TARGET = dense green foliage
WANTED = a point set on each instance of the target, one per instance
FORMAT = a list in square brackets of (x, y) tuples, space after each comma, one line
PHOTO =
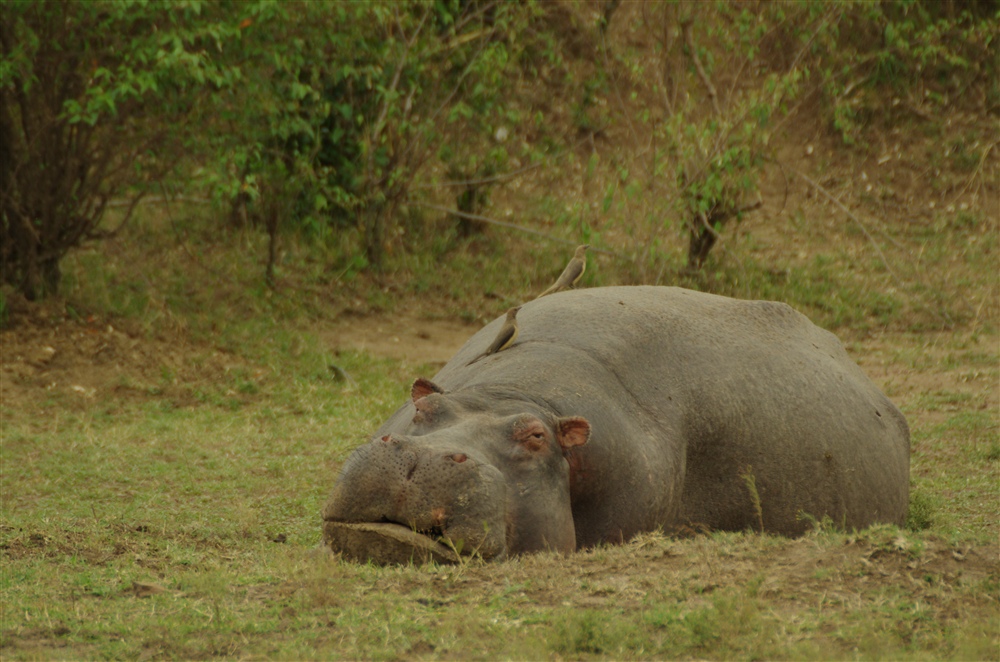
[(95, 102), (339, 120), (350, 102), (336, 109)]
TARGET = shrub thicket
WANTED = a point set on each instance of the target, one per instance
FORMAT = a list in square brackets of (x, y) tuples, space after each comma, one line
[(323, 116), (95, 103)]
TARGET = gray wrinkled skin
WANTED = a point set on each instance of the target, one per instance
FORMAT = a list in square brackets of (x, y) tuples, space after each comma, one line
[(685, 394)]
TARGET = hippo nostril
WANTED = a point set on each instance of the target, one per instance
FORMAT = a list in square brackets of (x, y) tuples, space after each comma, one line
[(459, 457)]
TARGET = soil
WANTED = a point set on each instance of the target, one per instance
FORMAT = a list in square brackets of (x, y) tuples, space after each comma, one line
[(793, 571), (405, 336), (47, 352)]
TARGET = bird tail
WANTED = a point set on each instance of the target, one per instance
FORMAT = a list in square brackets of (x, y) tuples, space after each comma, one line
[(551, 289)]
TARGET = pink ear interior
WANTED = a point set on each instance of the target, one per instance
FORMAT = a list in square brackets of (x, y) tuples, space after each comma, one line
[(423, 387), (572, 431)]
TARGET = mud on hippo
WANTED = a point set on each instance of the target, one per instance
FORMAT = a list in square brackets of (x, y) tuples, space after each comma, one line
[(621, 410)]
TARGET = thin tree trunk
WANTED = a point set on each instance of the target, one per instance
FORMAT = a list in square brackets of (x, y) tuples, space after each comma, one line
[(374, 226), (469, 202), (272, 247)]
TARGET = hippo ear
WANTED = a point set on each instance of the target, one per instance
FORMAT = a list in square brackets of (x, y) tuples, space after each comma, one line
[(572, 431), (423, 387)]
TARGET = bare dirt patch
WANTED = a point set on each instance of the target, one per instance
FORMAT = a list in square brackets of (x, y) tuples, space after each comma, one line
[(405, 336), (49, 353)]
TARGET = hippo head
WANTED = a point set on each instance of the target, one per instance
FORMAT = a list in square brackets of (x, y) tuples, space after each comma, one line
[(484, 480)]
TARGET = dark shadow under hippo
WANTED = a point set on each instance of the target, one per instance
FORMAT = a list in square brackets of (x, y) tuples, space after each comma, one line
[(621, 410)]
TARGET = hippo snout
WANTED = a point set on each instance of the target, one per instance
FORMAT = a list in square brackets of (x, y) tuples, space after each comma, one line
[(433, 489), (411, 462)]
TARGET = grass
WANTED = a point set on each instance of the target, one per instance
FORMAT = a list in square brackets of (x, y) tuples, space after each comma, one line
[(957, 469), (177, 515), (269, 600), (215, 505)]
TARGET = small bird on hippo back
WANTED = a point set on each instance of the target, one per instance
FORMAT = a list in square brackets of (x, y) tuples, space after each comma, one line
[(505, 338), (572, 273)]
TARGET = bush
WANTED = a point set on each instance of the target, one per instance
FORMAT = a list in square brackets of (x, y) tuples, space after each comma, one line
[(91, 103), (350, 103), (730, 74)]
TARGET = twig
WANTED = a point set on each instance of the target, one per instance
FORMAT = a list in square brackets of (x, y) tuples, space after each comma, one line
[(384, 110), (609, 68), (726, 216), (159, 199), (609, 8), (982, 160), (857, 220), (693, 52), (666, 44), (708, 226), (784, 176), (411, 146), (482, 10), (128, 215), (512, 226), (501, 177), (485, 180), (720, 240), (182, 240)]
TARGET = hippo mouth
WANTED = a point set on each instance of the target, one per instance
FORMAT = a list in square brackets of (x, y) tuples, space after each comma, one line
[(396, 503), (386, 543)]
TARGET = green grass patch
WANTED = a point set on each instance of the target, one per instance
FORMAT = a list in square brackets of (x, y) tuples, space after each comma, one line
[(147, 529)]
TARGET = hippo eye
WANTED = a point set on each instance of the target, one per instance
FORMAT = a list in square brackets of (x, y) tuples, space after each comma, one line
[(534, 441), (530, 435)]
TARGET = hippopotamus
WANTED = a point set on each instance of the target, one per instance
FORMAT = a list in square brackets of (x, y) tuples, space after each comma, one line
[(621, 410)]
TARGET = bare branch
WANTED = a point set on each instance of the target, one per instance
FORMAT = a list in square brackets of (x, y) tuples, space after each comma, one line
[(708, 226), (468, 18), (609, 68), (693, 52), (107, 234), (852, 216), (512, 226), (384, 111), (458, 84), (979, 167), (485, 180)]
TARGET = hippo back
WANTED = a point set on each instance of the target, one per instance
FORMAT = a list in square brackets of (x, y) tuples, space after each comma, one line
[(701, 407)]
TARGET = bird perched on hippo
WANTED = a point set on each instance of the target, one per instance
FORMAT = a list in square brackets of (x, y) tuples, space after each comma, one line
[(621, 410), (505, 336), (571, 275)]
